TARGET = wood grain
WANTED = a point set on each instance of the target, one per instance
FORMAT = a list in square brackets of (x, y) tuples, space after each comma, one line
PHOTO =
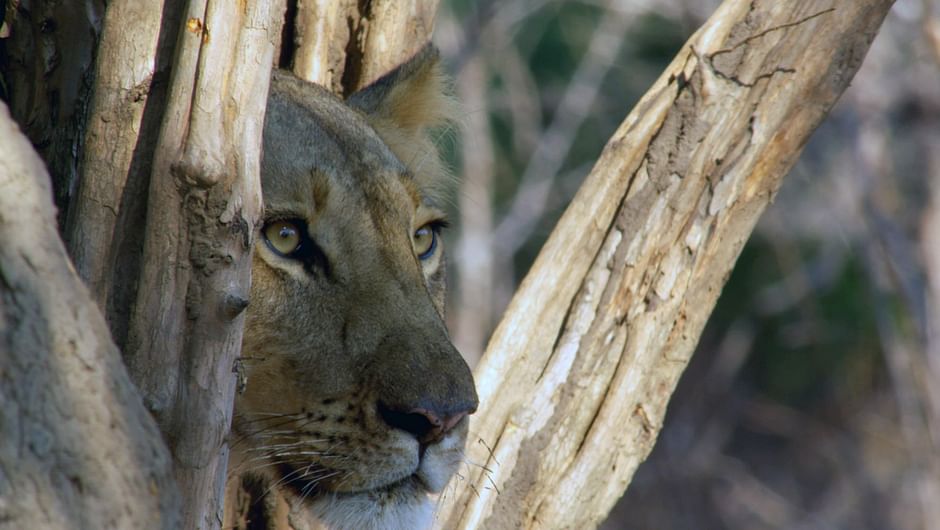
[(576, 379)]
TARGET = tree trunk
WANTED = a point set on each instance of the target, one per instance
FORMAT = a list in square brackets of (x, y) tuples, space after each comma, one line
[(345, 45), (79, 449), (577, 376), (203, 206), (104, 229)]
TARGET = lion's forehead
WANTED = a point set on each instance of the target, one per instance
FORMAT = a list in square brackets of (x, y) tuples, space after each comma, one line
[(339, 159), (335, 141)]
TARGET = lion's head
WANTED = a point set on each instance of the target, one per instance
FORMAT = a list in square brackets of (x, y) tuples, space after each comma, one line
[(356, 400)]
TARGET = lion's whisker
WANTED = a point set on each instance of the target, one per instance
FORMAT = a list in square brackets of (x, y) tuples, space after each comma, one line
[(277, 446)]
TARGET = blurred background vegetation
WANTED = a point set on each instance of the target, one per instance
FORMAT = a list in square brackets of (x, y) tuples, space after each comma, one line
[(813, 399)]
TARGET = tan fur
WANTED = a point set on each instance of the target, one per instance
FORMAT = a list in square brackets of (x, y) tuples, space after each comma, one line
[(357, 325), (401, 114)]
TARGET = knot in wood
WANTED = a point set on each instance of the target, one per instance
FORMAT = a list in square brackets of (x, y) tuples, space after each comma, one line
[(233, 304)]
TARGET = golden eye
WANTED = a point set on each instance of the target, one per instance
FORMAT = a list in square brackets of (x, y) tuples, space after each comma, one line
[(282, 237), (425, 241)]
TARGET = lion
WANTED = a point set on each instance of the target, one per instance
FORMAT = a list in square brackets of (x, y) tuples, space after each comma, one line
[(355, 405)]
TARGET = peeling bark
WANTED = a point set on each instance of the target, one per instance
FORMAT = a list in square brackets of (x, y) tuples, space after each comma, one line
[(576, 379)]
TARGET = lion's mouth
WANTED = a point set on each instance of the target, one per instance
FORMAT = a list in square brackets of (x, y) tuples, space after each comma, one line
[(311, 482), (423, 475)]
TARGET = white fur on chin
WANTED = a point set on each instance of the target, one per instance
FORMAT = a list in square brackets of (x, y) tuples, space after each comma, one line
[(405, 506), (397, 510)]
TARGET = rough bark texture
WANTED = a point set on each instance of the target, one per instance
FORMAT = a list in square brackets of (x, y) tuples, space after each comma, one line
[(104, 229), (576, 378), (78, 450), (203, 205), (322, 37), (345, 45)]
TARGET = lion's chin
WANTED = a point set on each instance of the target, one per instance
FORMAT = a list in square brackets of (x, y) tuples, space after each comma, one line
[(364, 499), (404, 505)]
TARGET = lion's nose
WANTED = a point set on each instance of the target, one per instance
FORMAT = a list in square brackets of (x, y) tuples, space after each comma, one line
[(427, 426)]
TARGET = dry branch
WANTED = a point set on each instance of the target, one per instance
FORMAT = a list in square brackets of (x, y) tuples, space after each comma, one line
[(345, 45), (396, 30), (122, 83), (322, 40), (204, 202), (576, 379), (106, 217), (78, 448)]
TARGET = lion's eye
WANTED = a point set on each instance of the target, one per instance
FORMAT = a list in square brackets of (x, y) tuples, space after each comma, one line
[(425, 241), (282, 237)]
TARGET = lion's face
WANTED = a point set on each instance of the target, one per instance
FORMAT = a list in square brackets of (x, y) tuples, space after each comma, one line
[(356, 401)]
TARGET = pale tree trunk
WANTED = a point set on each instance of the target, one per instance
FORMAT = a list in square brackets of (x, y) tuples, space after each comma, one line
[(203, 205), (577, 376), (345, 45), (77, 449), (104, 229)]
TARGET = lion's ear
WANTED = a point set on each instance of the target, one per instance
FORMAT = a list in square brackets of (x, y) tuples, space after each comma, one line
[(411, 97), (404, 105)]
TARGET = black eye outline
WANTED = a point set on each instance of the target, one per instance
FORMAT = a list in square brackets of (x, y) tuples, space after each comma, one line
[(307, 251), (435, 227)]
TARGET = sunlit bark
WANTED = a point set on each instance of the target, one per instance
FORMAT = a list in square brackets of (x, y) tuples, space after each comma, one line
[(576, 379)]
